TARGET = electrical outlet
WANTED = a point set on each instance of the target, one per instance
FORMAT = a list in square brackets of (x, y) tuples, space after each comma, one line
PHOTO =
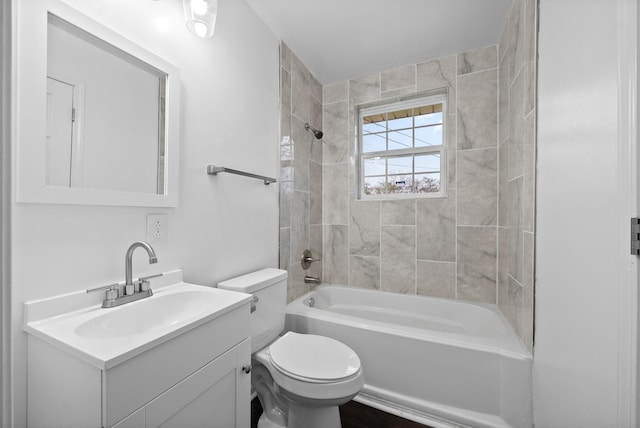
[(157, 228)]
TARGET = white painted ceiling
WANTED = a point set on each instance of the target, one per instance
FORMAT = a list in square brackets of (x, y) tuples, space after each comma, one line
[(343, 39)]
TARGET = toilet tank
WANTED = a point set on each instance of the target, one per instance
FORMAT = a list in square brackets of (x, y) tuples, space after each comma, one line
[(270, 288)]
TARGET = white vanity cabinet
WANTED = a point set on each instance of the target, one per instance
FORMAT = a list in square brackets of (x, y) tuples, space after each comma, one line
[(196, 378), (214, 396)]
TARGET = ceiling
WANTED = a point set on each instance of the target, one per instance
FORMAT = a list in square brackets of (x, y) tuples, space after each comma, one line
[(342, 39)]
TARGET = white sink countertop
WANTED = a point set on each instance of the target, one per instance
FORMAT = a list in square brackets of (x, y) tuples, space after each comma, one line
[(105, 338)]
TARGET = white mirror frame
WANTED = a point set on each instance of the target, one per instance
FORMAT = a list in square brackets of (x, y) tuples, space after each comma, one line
[(31, 77)]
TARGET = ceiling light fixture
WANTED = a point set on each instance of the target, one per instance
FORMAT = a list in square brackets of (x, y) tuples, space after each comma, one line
[(200, 16)]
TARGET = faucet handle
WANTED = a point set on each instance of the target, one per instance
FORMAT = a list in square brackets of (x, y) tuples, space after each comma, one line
[(144, 278), (112, 291), (112, 294), (104, 288), (307, 259), (143, 282)]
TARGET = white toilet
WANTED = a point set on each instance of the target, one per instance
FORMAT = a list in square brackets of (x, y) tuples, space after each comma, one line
[(300, 379)]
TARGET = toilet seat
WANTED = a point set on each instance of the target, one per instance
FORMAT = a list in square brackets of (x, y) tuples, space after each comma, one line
[(320, 392), (313, 358)]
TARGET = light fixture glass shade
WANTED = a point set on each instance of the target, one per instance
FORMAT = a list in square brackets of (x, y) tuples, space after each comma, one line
[(200, 16)]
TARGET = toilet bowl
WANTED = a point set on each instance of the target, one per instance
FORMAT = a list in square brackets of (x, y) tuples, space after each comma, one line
[(300, 379)]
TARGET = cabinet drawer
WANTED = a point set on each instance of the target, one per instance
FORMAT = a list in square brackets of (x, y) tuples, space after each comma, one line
[(134, 383)]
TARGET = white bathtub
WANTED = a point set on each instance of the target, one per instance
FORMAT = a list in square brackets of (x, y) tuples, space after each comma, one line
[(436, 361)]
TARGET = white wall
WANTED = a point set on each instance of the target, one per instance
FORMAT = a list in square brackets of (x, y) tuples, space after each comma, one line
[(579, 352), (223, 226)]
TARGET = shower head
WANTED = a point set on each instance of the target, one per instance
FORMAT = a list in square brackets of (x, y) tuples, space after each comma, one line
[(316, 132)]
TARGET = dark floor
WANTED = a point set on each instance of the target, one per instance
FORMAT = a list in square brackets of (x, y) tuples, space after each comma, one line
[(354, 415)]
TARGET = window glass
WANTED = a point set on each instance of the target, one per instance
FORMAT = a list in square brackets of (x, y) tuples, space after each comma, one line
[(428, 136), (401, 148), (428, 119), (400, 139), (427, 163), (400, 120), (375, 185), (400, 165), (427, 183), (375, 166), (374, 142)]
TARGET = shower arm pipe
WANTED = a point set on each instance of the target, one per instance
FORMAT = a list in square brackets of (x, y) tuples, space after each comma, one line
[(214, 170)]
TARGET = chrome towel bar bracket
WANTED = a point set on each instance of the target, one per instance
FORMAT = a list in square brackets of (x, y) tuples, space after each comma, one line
[(214, 170)]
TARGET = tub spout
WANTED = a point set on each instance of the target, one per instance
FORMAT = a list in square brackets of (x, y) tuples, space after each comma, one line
[(311, 280)]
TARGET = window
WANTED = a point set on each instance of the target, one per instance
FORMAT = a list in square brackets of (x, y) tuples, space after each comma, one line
[(402, 151)]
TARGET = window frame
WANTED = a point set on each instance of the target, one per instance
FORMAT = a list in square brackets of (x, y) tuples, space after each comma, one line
[(394, 105)]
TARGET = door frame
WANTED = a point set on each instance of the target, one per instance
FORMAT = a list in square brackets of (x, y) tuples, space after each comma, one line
[(76, 178), (6, 133), (628, 199)]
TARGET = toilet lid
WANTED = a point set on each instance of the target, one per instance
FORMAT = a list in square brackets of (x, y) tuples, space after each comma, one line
[(314, 357)]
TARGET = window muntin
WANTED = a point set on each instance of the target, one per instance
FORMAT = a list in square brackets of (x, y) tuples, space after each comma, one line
[(402, 149)]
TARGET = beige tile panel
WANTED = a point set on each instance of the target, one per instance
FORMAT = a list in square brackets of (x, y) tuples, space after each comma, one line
[(364, 228), (364, 89), (315, 246), (299, 224), (397, 259), (300, 87), (478, 187), (436, 74), (336, 254), (335, 194), (436, 228), (476, 265), (401, 212), (335, 92), (285, 248), (503, 268), (301, 155), (336, 132), (478, 60), (477, 115), (364, 272), (285, 56), (514, 307), (285, 103), (398, 78), (315, 193), (437, 279)]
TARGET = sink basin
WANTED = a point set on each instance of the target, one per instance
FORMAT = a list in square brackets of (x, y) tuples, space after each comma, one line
[(106, 337), (148, 315)]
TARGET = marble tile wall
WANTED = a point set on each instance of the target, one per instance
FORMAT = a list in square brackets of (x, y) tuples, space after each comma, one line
[(475, 244), (445, 247), (517, 151), (300, 170)]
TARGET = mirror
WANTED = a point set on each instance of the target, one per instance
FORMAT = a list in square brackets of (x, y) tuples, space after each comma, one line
[(109, 112), (105, 111)]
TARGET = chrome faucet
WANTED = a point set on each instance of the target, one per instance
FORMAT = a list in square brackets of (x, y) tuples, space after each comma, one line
[(128, 274), (115, 296)]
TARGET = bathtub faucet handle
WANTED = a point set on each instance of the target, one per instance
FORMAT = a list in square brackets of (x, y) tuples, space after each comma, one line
[(307, 259)]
